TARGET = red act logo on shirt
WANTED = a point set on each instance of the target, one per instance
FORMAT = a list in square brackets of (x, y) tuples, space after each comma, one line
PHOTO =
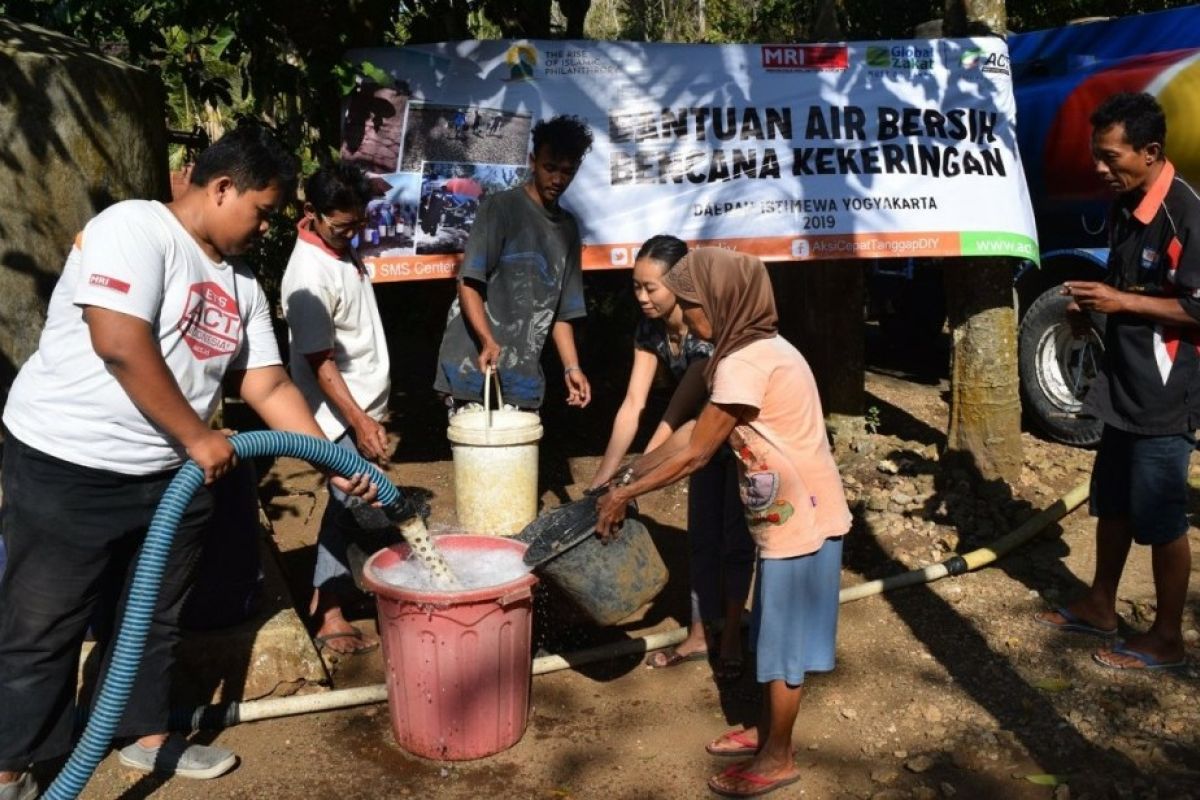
[(210, 325)]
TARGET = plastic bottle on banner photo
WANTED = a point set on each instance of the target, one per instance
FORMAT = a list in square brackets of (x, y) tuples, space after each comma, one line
[(380, 222), (371, 232), (389, 221)]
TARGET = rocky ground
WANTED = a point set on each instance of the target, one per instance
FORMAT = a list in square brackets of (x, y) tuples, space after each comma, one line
[(943, 690)]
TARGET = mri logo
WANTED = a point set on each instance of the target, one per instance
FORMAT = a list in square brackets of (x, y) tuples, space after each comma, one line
[(790, 57), (521, 58), (879, 57)]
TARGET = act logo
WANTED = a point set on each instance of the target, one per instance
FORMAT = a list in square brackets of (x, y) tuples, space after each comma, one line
[(970, 58), (619, 256), (521, 58), (997, 63), (211, 325)]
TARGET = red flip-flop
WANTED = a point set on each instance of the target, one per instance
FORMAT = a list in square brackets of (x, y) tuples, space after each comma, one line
[(748, 747), (762, 785)]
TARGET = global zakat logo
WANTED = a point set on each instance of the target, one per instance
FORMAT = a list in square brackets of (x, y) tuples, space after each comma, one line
[(878, 57), (521, 58), (909, 57), (792, 57), (210, 324)]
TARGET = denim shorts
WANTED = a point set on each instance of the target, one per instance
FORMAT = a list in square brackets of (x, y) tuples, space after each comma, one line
[(1143, 478)]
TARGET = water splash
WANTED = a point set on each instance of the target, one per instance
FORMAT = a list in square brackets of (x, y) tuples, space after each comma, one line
[(473, 569), (417, 536)]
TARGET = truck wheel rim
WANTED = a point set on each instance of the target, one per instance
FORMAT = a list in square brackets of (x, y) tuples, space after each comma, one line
[(1066, 366)]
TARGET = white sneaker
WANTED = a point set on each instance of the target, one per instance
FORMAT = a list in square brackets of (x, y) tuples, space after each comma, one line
[(179, 757), (23, 788)]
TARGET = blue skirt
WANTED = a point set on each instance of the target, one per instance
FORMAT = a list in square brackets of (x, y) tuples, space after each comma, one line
[(794, 623)]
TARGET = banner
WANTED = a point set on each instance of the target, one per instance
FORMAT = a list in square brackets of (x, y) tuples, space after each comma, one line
[(791, 152)]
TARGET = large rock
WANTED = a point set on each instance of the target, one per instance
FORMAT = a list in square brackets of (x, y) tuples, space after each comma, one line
[(269, 654), (78, 131)]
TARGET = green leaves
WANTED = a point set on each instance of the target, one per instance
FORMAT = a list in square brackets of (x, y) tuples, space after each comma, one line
[(348, 75), (220, 41), (1053, 685)]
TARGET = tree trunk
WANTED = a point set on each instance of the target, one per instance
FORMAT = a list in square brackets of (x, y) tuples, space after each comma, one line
[(821, 312), (984, 432), (576, 12), (529, 19), (821, 304)]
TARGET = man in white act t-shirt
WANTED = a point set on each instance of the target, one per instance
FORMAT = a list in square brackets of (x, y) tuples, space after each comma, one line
[(339, 359), (150, 315)]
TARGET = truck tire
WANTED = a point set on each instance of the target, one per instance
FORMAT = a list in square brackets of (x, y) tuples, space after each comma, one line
[(1055, 369)]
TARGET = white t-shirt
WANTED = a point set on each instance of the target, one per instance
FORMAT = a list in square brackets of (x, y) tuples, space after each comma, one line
[(136, 258), (330, 305)]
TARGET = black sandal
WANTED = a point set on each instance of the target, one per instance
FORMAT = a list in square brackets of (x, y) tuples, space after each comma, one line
[(728, 670)]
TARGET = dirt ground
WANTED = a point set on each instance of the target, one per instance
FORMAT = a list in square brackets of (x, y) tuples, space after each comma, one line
[(944, 690)]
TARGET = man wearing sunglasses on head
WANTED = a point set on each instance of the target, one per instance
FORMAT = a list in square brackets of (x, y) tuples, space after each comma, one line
[(339, 359)]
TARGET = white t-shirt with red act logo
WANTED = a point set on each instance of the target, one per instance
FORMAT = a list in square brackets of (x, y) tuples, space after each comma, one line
[(136, 258)]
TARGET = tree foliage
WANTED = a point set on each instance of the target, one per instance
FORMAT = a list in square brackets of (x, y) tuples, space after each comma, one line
[(283, 61), (220, 60)]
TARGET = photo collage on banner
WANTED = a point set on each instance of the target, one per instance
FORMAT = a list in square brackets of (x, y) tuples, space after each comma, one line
[(431, 166)]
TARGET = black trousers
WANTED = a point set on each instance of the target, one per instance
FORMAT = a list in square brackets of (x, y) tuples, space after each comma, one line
[(73, 534)]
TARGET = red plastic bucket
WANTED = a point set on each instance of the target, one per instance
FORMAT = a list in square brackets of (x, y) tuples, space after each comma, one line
[(458, 663)]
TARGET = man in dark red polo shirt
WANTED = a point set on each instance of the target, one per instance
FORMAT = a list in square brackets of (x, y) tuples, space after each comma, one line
[(1148, 395)]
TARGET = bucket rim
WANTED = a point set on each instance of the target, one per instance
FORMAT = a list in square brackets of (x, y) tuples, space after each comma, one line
[(529, 431), (504, 414), (544, 547), (445, 599)]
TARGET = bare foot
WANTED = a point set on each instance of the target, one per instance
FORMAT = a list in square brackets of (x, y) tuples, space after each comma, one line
[(694, 643)]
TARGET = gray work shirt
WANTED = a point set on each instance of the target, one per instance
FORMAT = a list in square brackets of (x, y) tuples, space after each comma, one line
[(528, 258)]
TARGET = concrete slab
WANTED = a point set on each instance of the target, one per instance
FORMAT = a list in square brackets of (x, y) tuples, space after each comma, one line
[(269, 654)]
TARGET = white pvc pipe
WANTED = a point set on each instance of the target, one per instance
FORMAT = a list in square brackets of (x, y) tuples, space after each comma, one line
[(365, 695), (640, 644), (967, 562), (307, 703)]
